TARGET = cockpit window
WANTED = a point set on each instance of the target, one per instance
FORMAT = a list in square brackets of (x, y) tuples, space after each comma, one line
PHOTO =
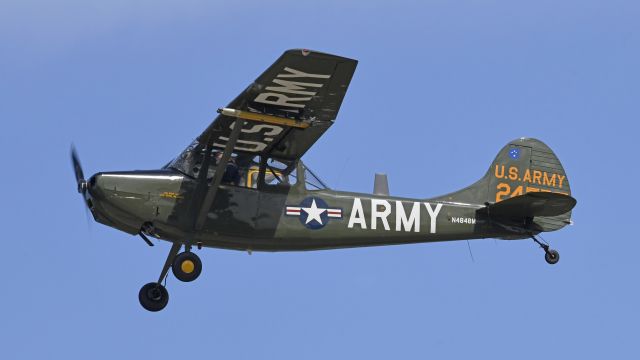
[(191, 161), (277, 172), (312, 182), (185, 162)]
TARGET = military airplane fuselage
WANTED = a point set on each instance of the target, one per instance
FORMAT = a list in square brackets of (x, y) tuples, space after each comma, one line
[(287, 216), (277, 219)]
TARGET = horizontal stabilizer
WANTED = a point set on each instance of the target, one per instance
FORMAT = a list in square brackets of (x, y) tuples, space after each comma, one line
[(533, 204)]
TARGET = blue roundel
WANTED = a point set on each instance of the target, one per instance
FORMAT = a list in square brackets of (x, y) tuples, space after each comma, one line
[(314, 213), (514, 153)]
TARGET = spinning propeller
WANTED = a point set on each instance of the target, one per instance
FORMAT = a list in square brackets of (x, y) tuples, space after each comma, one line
[(82, 183), (77, 168)]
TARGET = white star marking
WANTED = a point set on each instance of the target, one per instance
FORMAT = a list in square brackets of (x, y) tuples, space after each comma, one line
[(314, 212)]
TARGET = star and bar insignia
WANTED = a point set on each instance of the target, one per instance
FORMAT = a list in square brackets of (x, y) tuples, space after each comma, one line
[(314, 213)]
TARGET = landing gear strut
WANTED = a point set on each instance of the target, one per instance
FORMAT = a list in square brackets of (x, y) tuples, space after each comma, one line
[(550, 256), (154, 296)]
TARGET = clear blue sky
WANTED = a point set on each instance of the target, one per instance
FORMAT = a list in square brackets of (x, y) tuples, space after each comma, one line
[(440, 88)]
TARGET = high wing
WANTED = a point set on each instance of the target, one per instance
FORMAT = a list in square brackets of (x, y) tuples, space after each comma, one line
[(287, 108)]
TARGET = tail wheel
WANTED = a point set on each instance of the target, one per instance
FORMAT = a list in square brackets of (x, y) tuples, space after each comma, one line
[(153, 297), (186, 266), (552, 256)]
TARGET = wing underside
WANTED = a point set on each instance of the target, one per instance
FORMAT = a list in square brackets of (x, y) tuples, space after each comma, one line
[(303, 88)]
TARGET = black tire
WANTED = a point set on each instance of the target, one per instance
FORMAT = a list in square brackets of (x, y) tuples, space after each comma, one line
[(153, 297), (186, 266), (552, 257)]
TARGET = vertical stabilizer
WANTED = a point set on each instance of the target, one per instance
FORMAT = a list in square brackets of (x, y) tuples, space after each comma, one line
[(523, 166)]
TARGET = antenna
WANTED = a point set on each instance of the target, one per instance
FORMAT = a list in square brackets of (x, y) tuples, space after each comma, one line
[(381, 185), (470, 253)]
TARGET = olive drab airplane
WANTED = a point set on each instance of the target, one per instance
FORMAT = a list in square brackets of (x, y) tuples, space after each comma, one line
[(242, 185)]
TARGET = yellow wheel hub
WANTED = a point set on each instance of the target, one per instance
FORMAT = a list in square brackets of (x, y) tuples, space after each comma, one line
[(187, 266)]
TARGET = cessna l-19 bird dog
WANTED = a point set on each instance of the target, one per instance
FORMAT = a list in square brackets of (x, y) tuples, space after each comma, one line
[(242, 185)]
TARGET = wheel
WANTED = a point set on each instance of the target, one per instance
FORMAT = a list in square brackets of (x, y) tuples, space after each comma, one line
[(552, 256), (186, 266), (153, 297)]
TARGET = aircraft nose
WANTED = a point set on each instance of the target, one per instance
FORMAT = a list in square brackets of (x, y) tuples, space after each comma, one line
[(93, 185), (96, 197)]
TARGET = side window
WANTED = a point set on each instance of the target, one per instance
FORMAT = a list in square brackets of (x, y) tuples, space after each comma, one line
[(250, 173), (252, 177), (232, 174), (312, 181), (278, 173)]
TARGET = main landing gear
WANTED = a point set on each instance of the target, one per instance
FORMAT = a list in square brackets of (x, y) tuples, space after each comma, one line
[(186, 267), (550, 256)]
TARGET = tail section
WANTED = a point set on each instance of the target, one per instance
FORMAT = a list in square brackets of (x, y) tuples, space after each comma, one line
[(523, 166)]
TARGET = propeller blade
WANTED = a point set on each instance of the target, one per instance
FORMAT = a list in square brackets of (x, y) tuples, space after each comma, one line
[(87, 213), (76, 164), (77, 168)]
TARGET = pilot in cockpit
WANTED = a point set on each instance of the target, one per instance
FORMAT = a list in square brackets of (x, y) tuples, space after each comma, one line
[(231, 173)]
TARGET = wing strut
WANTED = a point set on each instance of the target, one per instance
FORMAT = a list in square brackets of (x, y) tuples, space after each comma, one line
[(217, 178)]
